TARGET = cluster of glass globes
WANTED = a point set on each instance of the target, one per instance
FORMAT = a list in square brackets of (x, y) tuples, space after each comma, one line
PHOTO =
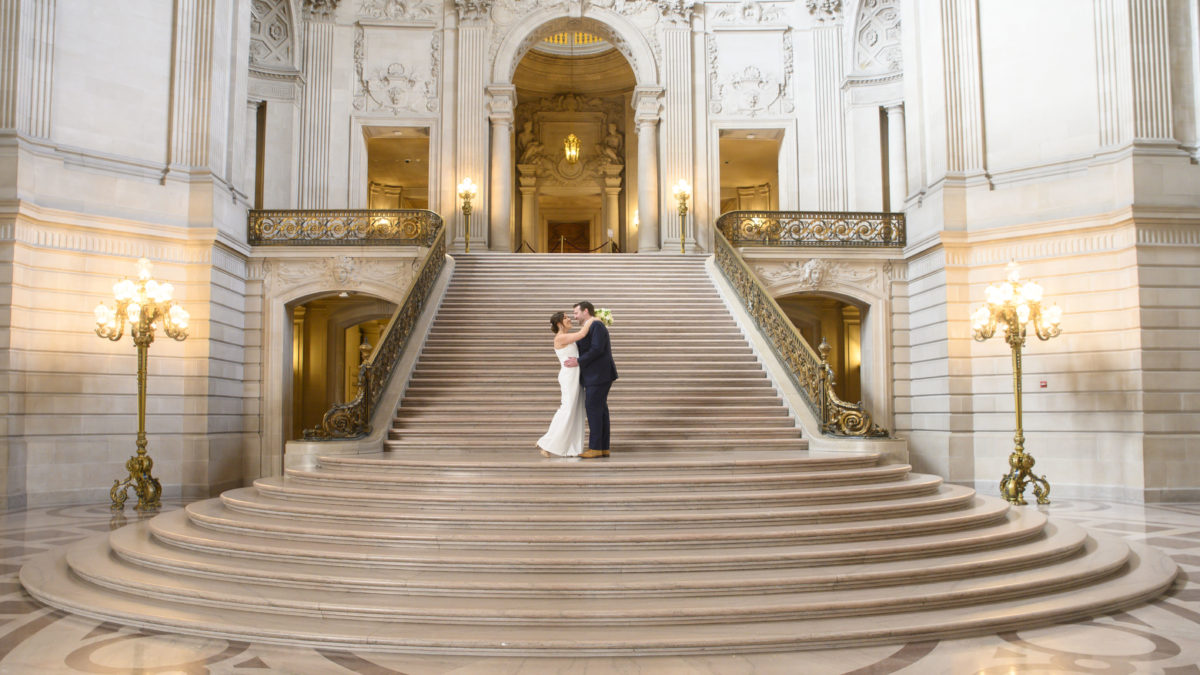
[(1014, 303), (135, 298)]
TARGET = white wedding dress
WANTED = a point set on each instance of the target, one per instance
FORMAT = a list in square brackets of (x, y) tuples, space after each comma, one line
[(565, 437)]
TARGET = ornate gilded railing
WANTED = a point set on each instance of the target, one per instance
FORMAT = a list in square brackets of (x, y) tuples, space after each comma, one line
[(809, 371), (799, 228), (414, 227), (353, 419)]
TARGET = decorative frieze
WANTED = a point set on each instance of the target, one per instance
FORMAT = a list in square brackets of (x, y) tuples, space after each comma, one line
[(400, 11), (749, 12)]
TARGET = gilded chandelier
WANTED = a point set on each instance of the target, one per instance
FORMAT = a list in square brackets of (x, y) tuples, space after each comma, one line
[(144, 305), (1013, 307)]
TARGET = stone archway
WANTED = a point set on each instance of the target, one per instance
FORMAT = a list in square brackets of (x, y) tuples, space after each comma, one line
[(630, 42)]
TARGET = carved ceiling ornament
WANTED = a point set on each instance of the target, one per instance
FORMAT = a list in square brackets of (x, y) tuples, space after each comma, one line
[(270, 34), (749, 92), (825, 10), (822, 273), (396, 88), (400, 10), (877, 38), (749, 11)]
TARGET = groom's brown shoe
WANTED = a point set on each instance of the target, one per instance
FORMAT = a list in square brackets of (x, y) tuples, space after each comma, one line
[(590, 453)]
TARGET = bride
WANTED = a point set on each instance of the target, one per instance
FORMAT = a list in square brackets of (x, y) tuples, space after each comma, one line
[(565, 437)]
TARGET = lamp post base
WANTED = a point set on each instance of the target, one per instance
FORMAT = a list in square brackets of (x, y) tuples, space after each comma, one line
[(1012, 484), (145, 486)]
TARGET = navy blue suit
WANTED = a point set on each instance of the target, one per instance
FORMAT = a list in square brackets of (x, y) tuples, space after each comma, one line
[(596, 373)]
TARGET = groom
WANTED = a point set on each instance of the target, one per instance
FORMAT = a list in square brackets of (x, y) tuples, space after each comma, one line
[(596, 373)]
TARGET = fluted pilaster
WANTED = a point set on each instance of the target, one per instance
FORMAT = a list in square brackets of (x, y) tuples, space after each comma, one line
[(1151, 70), (646, 104), (472, 122), (1113, 67), (26, 65), (676, 127), (830, 118), (191, 83), (964, 99), (316, 111)]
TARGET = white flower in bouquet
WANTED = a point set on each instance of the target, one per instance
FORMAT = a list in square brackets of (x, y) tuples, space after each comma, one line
[(605, 316)]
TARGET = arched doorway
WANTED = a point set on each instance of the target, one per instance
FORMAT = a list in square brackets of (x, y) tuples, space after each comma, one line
[(574, 92), (529, 116), (839, 321)]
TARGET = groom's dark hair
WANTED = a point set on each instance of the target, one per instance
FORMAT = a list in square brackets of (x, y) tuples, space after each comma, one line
[(587, 306)]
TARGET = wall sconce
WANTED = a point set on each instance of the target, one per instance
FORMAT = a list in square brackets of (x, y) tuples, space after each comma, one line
[(682, 192), (466, 192)]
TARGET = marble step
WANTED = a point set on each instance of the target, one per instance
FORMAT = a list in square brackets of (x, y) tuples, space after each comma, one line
[(1146, 575), (543, 376), (615, 502), (1097, 560), (669, 465), (179, 530), (620, 443), (630, 416), (212, 514), (530, 433), (684, 401), (585, 516), (608, 477), (136, 546)]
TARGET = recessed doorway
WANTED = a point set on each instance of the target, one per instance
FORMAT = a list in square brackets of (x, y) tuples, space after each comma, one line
[(397, 167), (750, 169)]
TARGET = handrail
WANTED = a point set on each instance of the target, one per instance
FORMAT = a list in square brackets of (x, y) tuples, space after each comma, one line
[(810, 372), (813, 228), (353, 419), (356, 227)]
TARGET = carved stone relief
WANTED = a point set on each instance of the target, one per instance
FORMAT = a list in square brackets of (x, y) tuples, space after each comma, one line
[(339, 272), (822, 273), (824, 10), (473, 10), (749, 11), (877, 38), (595, 119), (321, 9), (748, 90), (397, 87), (270, 34), (400, 10)]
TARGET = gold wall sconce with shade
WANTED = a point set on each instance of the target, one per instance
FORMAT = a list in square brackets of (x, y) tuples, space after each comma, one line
[(144, 306), (1013, 306)]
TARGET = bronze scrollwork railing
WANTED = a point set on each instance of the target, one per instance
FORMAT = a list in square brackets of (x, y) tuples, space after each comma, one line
[(799, 228), (413, 227), (809, 371), (353, 419)]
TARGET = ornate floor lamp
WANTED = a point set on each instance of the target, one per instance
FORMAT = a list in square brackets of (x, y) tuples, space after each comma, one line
[(144, 305), (1011, 306)]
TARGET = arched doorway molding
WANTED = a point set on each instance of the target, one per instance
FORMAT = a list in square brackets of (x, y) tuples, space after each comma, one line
[(287, 283), (627, 38), (864, 283), (615, 28)]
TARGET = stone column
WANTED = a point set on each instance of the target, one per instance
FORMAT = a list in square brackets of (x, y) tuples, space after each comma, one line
[(528, 205), (832, 194), (897, 157), (500, 208), (190, 84), (612, 202), (1133, 73), (964, 97), (26, 65), (316, 112), (646, 105)]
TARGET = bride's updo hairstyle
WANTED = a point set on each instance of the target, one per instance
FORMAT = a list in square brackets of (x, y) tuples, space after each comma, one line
[(555, 319)]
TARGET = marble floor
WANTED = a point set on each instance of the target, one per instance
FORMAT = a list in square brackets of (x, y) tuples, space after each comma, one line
[(1161, 637)]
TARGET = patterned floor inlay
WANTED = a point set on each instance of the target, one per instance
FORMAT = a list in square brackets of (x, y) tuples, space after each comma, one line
[(1159, 637)]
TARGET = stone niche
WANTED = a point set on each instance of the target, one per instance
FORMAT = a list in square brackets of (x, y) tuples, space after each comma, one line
[(553, 191)]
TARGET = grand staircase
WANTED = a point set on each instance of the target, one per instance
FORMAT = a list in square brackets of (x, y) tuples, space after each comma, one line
[(712, 528)]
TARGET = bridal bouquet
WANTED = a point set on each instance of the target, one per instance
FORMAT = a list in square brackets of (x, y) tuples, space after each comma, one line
[(604, 316)]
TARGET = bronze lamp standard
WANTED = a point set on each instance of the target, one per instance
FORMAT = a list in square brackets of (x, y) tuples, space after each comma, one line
[(1011, 306), (143, 305), (466, 192), (683, 192)]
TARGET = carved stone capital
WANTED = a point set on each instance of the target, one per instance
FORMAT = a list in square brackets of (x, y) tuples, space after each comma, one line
[(647, 104), (473, 10), (501, 101), (678, 11), (320, 9), (825, 10)]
